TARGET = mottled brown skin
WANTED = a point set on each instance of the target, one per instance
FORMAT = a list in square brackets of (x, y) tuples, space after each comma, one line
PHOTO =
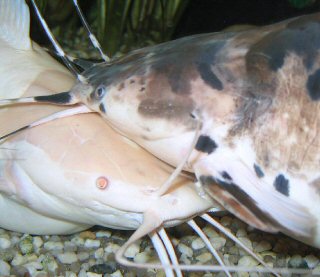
[(259, 75), (261, 85)]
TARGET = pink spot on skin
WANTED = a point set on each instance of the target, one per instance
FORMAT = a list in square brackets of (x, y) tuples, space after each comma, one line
[(102, 182)]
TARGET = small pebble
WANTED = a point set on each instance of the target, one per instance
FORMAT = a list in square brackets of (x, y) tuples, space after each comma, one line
[(112, 248), (87, 235), (246, 242), (98, 254), (75, 267), (78, 241), (31, 258), (49, 263), (82, 273), (311, 260), (247, 261), (69, 246), (210, 232), (5, 235), (41, 274), (33, 267), (226, 221), (296, 261), (316, 270), (233, 250), (204, 258), (67, 258), (175, 242), (241, 233), (37, 242), (55, 238), (116, 274), (218, 242), (263, 246), (7, 255), (4, 268), (92, 274), (70, 274), (186, 250), (184, 259), (90, 243), (103, 234), (85, 266), (160, 273), (18, 260), (104, 268), (5, 243), (197, 244), (26, 245), (142, 257), (82, 256), (52, 245), (14, 240), (132, 251)]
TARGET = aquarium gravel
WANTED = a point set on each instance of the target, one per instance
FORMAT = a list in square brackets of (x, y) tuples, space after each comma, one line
[(91, 252)]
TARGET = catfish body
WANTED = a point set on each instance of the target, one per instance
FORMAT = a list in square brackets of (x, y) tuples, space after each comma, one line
[(74, 173), (256, 95)]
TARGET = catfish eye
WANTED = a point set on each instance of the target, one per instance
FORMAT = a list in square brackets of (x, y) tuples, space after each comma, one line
[(99, 92)]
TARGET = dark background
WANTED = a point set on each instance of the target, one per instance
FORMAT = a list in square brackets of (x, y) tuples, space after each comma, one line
[(199, 16), (203, 16)]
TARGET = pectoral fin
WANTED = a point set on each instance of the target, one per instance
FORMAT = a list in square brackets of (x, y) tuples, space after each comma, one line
[(240, 191)]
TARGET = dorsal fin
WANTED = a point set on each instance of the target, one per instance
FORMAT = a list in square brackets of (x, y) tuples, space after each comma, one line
[(15, 23)]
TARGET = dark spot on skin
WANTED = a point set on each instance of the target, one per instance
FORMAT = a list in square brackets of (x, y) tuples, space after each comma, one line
[(316, 185), (121, 86), (59, 98), (180, 59), (142, 89), (258, 171), (313, 85), (209, 77), (225, 175), (301, 37), (205, 144), (132, 81), (281, 184), (175, 109), (102, 108), (175, 61)]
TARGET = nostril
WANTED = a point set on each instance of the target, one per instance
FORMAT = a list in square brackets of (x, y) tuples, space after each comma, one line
[(102, 182)]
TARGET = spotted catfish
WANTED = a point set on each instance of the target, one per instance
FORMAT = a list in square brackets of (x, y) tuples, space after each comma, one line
[(255, 94), (248, 99)]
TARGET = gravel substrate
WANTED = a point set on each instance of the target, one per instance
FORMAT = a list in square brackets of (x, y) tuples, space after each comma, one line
[(91, 253)]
